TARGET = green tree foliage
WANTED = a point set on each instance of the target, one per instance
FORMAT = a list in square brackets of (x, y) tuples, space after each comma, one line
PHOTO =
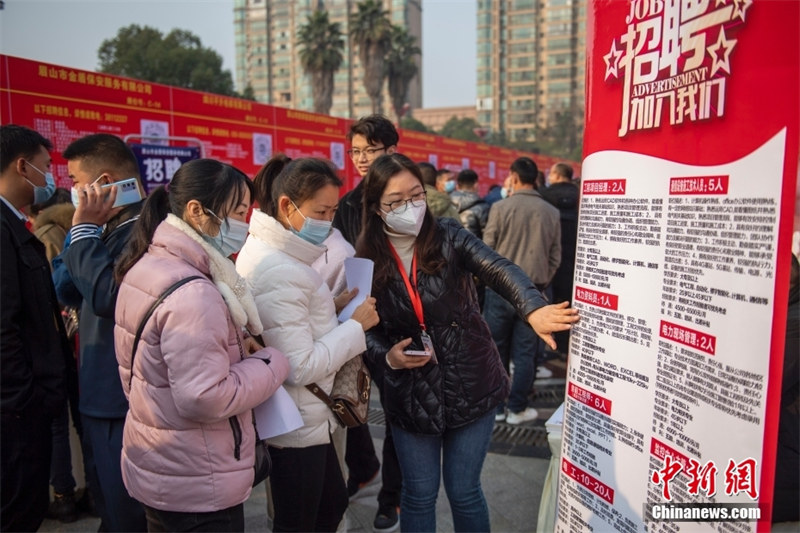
[(410, 123), (401, 66), (321, 55), (371, 32), (461, 128), (562, 138), (178, 59)]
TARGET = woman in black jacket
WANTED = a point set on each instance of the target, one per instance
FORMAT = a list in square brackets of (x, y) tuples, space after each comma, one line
[(443, 374)]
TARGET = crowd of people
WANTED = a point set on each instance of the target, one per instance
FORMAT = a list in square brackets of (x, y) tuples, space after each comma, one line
[(160, 387), (202, 300)]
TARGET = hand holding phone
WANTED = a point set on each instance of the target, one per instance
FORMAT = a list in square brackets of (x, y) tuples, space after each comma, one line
[(128, 191)]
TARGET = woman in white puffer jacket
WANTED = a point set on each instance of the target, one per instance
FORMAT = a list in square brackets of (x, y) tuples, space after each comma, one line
[(297, 201)]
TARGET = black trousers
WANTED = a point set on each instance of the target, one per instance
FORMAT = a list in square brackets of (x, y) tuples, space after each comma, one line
[(308, 489), (230, 519), (25, 449)]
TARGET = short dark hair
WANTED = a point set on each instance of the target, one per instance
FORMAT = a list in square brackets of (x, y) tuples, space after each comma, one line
[(299, 179), (443, 171), (526, 169), (101, 151), (19, 141), (563, 169), (428, 172), (467, 177), (376, 128)]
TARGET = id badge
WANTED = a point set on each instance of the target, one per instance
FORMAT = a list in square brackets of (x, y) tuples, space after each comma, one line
[(427, 344)]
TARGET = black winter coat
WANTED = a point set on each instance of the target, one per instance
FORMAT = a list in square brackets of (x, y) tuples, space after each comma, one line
[(469, 380), (33, 344), (348, 217)]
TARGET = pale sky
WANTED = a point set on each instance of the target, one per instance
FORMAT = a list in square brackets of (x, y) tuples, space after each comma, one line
[(69, 33)]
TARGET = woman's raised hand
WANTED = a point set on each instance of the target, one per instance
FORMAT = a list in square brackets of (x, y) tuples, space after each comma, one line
[(552, 318), (366, 314)]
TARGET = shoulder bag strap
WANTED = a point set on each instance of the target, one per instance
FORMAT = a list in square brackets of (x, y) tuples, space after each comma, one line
[(317, 391), (149, 313)]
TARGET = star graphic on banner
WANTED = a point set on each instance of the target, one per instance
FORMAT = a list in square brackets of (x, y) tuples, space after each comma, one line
[(740, 7), (720, 53), (720, 3), (612, 60)]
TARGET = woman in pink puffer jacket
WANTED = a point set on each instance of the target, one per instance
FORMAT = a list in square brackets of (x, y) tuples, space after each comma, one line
[(189, 439)]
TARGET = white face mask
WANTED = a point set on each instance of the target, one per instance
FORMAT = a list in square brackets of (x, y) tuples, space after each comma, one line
[(76, 198), (409, 222)]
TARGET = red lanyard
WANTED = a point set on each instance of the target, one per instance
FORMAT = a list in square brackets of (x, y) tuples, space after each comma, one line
[(416, 300)]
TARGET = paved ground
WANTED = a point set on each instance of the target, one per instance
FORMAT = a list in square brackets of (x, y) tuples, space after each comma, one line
[(512, 478)]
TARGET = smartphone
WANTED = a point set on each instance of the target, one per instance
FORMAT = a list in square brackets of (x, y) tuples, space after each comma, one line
[(419, 353), (128, 191)]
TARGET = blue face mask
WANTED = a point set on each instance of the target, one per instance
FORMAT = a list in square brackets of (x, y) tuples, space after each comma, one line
[(231, 236), (503, 193), (42, 194), (313, 230), (449, 186)]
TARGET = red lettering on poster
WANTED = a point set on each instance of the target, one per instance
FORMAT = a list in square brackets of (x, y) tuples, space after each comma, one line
[(593, 297), (587, 480), (661, 450), (689, 337), (591, 399), (604, 186), (699, 185)]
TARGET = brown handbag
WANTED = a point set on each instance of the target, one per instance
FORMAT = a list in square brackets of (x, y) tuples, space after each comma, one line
[(349, 397)]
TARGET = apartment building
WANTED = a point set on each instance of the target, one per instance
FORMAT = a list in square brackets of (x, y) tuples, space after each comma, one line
[(530, 64), (267, 53)]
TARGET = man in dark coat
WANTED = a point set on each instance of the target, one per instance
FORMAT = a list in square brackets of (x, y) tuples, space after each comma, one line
[(33, 343), (565, 196), (85, 269)]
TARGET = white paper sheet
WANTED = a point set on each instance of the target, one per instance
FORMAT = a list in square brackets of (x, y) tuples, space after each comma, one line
[(358, 273), (278, 415)]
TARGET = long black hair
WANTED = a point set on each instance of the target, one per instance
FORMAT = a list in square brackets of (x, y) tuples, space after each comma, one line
[(298, 179), (217, 186), (372, 243)]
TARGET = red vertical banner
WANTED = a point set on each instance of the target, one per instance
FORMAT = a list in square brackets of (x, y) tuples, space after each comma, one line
[(687, 212)]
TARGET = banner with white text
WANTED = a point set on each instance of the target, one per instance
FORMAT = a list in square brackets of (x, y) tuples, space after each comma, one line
[(682, 268)]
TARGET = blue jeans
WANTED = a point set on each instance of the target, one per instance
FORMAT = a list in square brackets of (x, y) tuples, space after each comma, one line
[(458, 455), (516, 341)]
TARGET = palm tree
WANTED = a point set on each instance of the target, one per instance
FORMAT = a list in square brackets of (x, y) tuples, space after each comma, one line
[(401, 67), (371, 31), (321, 55)]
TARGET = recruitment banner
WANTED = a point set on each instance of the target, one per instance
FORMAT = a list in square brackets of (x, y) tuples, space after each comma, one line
[(683, 256), (157, 163), (65, 103)]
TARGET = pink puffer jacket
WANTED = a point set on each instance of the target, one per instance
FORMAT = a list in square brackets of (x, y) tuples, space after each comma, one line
[(192, 393)]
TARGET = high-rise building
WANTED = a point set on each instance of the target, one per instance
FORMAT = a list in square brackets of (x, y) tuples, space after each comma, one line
[(531, 64), (267, 53)]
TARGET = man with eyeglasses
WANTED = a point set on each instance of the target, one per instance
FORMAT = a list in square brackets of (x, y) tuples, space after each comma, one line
[(370, 137)]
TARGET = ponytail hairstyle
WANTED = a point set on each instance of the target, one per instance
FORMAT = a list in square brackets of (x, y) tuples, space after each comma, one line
[(298, 179), (373, 244), (217, 186)]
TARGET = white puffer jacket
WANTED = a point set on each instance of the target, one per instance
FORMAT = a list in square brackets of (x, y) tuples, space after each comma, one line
[(297, 310)]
